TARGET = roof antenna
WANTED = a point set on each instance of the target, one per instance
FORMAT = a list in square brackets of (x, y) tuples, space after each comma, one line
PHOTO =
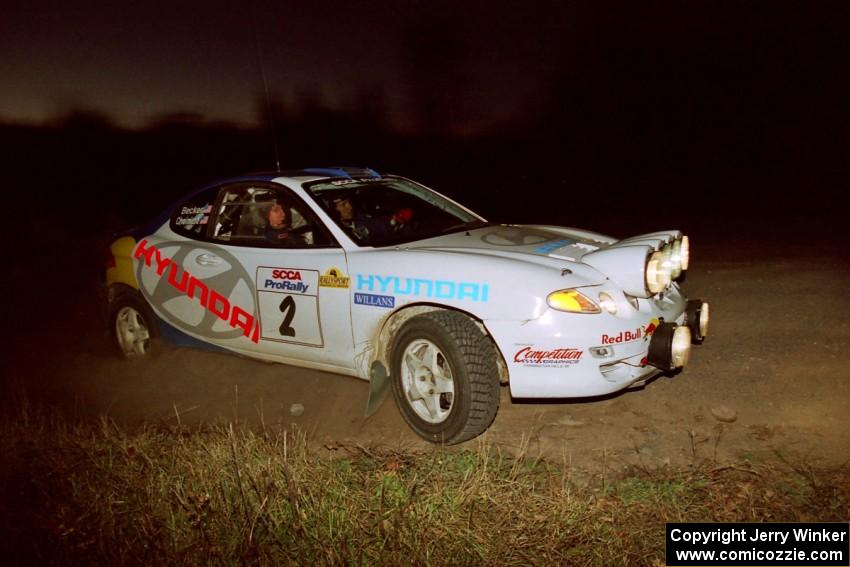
[(265, 86)]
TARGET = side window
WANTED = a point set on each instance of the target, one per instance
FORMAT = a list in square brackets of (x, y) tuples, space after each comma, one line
[(193, 216), (266, 217)]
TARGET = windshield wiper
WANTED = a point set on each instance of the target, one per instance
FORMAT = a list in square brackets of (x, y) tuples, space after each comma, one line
[(468, 225), (394, 240)]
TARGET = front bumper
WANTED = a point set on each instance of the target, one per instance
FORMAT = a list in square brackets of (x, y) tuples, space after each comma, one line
[(575, 355)]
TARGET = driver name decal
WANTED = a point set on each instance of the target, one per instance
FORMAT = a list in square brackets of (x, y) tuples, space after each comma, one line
[(185, 283), (194, 215)]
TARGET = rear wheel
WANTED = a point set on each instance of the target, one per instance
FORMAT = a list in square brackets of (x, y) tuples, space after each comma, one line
[(444, 375), (131, 325)]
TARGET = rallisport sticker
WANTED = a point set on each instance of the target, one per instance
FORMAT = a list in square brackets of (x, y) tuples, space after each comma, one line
[(334, 278)]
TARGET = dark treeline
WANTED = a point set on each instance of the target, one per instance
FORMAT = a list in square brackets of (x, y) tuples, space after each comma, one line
[(603, 176)]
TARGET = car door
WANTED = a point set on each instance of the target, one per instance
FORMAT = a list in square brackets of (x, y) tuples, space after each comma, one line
[(279, 299)]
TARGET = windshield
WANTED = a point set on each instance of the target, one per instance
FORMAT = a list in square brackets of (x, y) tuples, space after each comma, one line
[(390, 210)]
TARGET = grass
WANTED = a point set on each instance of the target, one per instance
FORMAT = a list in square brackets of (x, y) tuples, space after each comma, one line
[(73, 493)]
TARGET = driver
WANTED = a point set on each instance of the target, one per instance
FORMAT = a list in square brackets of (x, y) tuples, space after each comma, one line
[(278, 228), (364, 226)]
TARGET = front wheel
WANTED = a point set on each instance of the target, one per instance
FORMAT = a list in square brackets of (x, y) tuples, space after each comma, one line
[(131, 325), (444, 375)]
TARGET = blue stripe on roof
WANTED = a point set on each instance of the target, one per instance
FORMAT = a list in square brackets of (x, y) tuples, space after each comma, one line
[(346, 172)]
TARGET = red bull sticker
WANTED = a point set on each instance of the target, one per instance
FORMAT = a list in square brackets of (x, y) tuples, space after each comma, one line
[(622, 337), (643, 332), (650, 328)]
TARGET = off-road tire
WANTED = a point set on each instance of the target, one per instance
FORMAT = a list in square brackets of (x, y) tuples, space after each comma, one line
[(124, 302), (471, 356)]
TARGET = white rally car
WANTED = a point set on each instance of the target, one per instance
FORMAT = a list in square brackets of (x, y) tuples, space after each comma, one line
[(378, 277)]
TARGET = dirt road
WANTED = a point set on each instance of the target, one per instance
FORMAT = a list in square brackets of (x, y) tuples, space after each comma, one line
[(776, 360)]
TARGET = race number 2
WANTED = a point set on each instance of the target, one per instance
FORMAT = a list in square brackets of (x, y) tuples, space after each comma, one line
[(288, 300), (287, 307)]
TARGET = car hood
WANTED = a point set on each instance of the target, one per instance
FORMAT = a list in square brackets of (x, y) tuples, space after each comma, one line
[(555, 242), (590, 256), (510, 241)]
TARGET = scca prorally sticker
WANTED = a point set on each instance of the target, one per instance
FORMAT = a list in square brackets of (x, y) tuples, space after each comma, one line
[(549, 358), (334, 278), (212, 293), (290, 280), (289, 305)]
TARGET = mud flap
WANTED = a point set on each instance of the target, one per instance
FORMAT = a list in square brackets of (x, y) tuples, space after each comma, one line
[(378, 387)]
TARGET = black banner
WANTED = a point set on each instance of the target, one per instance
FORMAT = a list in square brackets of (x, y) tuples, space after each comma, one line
[(742, 544)]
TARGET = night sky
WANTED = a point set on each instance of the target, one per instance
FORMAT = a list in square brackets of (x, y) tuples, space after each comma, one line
[(740, 103), (136, 61), (494, 62)]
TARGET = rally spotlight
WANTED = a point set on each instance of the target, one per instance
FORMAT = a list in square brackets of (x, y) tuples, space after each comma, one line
[(696, 318), (670, 346)]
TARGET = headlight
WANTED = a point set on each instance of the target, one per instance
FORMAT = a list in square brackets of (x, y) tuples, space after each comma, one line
[(607, 303), (571, 301), (680, 349), (676, 259), (667, 250), (696, 318), (657, 272), (685, 252), (670, 346)]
